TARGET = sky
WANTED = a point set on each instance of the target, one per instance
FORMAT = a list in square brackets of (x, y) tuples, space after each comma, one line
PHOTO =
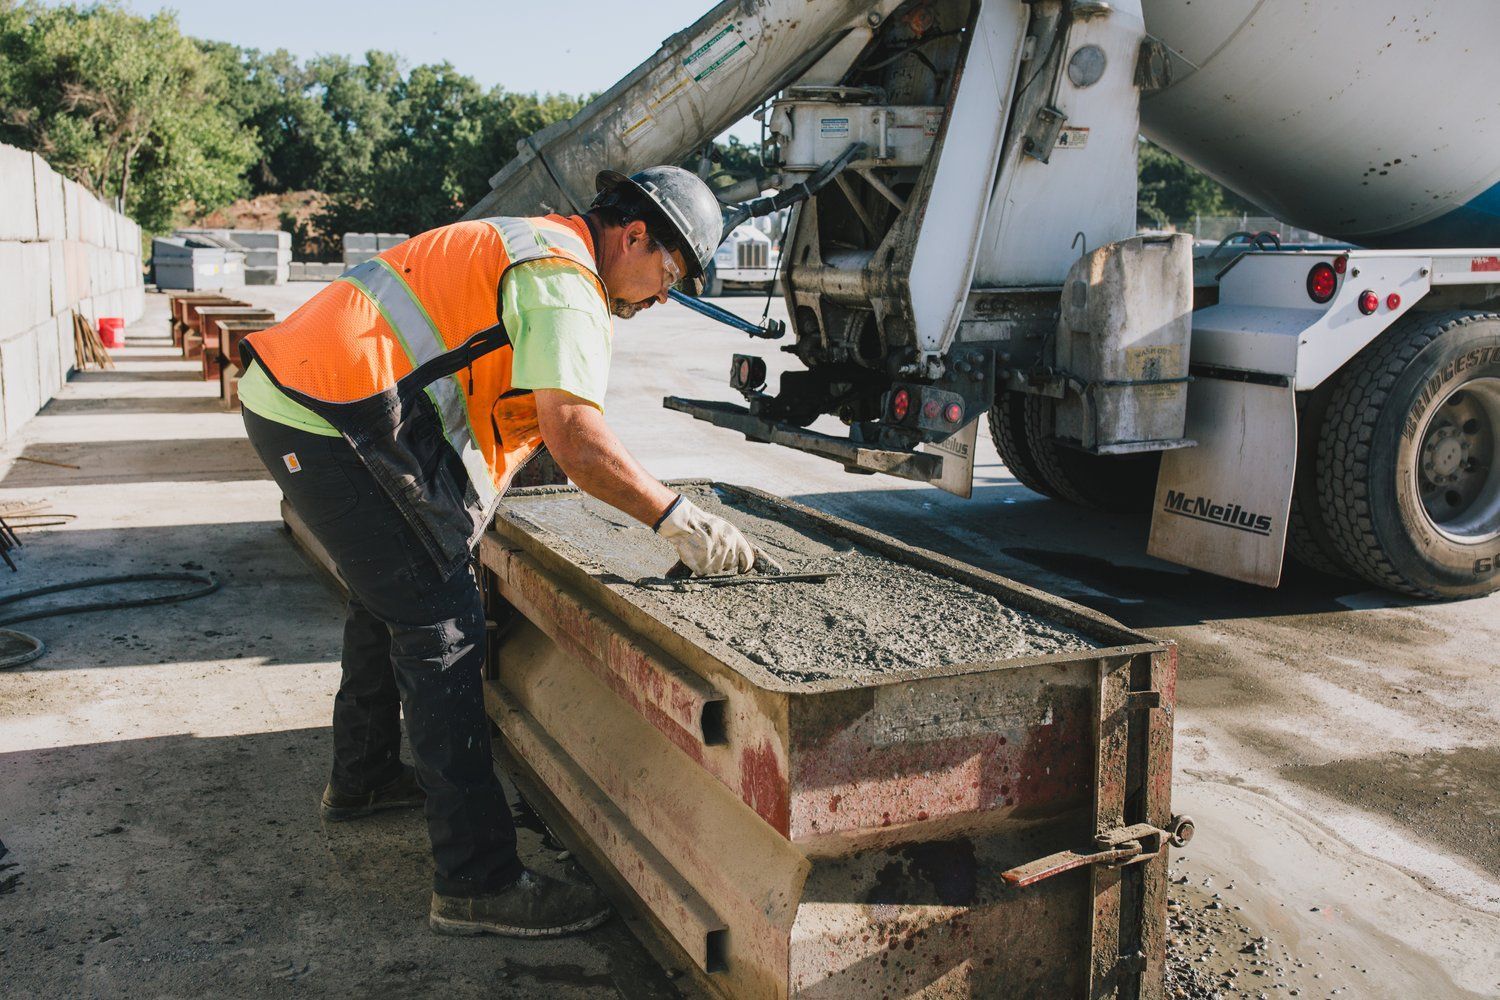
[(569, 46)]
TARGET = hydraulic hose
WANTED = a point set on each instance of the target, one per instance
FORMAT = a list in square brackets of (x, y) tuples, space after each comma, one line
[(789, 196), (207, 584)]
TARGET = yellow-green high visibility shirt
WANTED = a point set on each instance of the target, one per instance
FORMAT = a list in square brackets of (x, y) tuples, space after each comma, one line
[(559, 329)]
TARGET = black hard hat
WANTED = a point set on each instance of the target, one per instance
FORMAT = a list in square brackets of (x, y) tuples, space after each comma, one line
[(686, 204)]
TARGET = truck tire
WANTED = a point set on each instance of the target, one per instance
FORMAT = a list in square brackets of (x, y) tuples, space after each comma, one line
[(1303, 543), (1308, 540), (1406, 474), (1008, 431), (1118, 483)]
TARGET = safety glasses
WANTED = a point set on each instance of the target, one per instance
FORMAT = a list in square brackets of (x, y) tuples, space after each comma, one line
[(670, 271)]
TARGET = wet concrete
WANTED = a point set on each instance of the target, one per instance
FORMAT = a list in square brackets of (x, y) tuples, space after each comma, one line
[(1451, 796), (876, 616)]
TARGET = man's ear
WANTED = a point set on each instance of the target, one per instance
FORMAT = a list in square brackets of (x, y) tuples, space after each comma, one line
[(635, 233)]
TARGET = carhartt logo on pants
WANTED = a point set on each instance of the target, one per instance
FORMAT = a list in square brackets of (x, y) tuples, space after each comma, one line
[(292, 465)]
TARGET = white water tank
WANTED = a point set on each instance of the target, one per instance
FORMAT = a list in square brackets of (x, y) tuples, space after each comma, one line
[(1375, 121)]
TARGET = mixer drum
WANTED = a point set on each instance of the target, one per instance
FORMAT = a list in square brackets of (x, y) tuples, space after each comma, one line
[(1373, 121)]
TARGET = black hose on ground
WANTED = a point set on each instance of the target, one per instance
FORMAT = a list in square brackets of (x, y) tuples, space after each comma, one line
[(207, 584)]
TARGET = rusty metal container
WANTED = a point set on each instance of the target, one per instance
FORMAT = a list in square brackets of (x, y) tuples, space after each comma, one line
[(202, 336), (974, 829), (231, 331), (178, 305)]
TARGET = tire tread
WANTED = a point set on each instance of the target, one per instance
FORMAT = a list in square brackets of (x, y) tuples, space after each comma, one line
[(1008, 431), (1344, 445)]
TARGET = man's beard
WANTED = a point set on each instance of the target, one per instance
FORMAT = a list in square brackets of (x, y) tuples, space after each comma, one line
[(623, 309)]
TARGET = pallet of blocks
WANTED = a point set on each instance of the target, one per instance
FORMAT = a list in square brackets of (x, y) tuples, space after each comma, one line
[(230, 333), (204, 342)]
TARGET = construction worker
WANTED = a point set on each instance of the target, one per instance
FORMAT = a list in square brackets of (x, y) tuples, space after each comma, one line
[(393, 409)]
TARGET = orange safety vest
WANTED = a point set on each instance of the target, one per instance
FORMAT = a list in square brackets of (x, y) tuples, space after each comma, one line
[(407, 357)]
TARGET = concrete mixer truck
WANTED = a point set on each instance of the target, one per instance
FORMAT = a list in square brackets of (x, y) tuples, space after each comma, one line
[(963, 249)]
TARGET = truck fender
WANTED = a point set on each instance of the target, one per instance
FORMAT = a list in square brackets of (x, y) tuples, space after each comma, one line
[(1222, 506)]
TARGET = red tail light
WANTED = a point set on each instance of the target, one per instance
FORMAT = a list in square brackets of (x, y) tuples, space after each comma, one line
[(900, 404), (953, 413), (1322, 282), (1393, 301), (1341, 264), (1368, 302)]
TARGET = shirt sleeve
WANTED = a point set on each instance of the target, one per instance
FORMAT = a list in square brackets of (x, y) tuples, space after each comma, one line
[(560, 329)]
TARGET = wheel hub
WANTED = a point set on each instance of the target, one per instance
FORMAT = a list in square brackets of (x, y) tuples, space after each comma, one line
[(1444, 454), (1459, 488)]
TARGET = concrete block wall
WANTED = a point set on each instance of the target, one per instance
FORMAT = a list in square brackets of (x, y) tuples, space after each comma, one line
[(360, 247), (61, 251)]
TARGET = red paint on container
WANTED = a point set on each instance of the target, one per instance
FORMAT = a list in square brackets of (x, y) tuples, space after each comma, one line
[(112, 331)]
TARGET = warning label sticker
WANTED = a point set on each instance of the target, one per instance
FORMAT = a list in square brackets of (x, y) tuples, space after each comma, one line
[(1155, 364), (1072, 137), (640, 120), (725, 45), (833, 127)]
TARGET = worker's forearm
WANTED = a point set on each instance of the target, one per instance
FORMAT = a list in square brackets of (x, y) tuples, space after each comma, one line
[(596, 460)]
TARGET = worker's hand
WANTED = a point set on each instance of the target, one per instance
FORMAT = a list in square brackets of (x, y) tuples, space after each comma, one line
[(706, 544)]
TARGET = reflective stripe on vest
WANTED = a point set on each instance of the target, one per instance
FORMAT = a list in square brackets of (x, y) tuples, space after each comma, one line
[(414, 323), (422, 342)]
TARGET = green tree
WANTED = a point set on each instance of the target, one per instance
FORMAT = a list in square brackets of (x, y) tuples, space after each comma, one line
[(1171, 191), (128, 106), (281, 102), (440, 140), (360, 99)]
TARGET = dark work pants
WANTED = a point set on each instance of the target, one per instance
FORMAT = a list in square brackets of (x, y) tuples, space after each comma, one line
[(412, 640)]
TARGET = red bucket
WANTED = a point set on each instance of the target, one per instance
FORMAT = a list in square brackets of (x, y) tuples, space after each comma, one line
[(112, 331)]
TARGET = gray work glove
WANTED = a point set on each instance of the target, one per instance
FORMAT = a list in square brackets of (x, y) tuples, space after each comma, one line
[(706, 544)]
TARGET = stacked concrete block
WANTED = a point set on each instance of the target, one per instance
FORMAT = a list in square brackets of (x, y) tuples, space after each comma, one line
[(311, 270), (62, 251), (50, 198), (18, 206), (268, 255), (360, 247)]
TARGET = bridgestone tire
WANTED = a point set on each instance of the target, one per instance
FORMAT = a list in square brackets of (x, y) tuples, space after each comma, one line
[(1008, 431), (1308, 540), (1118, 483), (1371, 447)]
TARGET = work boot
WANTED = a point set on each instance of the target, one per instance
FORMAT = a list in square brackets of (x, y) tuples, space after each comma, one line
[(402, 793), (534, 906)]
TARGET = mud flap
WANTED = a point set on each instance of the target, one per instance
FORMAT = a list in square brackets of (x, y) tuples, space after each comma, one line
[(1222, 507), (957, 476)]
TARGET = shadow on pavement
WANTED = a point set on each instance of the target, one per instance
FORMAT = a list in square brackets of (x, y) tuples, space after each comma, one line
[(1096, 559), (270, 607), (82, 405), (133, 374), (196, 866), (173, 460)]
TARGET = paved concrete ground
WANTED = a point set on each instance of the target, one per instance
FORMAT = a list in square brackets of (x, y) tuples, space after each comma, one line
[(159, 768)]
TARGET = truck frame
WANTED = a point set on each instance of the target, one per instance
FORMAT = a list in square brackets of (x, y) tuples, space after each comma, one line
[(964, 249)]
